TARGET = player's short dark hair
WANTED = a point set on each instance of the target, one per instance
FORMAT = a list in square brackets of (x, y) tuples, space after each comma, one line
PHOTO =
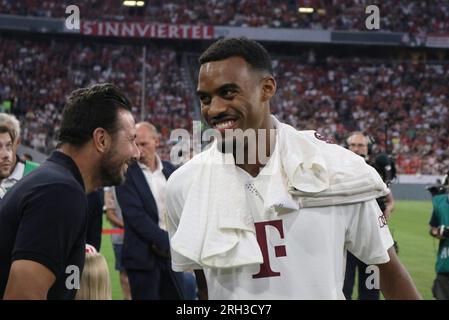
[(89, 108), (251, 51)]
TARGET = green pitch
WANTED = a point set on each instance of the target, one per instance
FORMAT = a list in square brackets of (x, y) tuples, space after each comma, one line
[(417, 249), (409, 226), (108, 252)]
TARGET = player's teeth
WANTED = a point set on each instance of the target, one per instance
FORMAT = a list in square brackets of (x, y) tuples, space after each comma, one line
[(224, 125)]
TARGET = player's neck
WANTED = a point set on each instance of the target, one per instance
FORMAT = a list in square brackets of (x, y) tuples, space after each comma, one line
[(85, 165), (151, 162), (261, 156)]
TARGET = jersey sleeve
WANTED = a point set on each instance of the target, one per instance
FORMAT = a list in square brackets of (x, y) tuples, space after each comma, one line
[(54, 219), (175, 205), (367, 235)]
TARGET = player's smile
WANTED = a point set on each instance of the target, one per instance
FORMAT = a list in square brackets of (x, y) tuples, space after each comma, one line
[(224, 122)]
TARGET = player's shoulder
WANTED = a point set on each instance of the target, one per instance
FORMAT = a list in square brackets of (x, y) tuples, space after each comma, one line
[(315, 137), (329, 149), (53, 175), (181, 179), (356, 210)]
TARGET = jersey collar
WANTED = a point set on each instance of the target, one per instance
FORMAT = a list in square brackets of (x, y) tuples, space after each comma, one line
[(67, 162)]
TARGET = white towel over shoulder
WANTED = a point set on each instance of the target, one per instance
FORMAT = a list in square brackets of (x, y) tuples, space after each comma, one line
[(216, 228)]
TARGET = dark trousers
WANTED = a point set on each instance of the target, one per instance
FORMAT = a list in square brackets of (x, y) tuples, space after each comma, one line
[(440, 288), (352, 263), (190, 286), (156, 284)]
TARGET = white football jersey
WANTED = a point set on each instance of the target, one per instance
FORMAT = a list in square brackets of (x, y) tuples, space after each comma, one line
[(304, 251)]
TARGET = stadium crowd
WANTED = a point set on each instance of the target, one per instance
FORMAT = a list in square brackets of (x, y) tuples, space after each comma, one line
[(35, 77), (417, 18), (402, 105)]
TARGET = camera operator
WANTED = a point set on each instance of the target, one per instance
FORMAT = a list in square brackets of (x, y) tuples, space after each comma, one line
[(360, 144), (439, 228)]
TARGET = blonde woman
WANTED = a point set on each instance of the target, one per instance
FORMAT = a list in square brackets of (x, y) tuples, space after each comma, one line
[(95, 282)]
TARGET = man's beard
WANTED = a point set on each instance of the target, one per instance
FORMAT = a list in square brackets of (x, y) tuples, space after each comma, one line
[(111, 171), (5, 175)]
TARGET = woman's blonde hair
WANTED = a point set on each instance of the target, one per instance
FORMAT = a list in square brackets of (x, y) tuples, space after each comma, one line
[(95, 282)]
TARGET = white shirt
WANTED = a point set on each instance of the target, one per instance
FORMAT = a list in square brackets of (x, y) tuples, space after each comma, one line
[(305, 250), (158, 186), (10, 181)]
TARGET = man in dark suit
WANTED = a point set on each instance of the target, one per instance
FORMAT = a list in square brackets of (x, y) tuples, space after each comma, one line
[(95, 218), (146, 251)]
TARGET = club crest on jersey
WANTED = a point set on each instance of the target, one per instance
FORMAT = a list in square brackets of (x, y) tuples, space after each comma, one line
[(382, 221), (323, 138)]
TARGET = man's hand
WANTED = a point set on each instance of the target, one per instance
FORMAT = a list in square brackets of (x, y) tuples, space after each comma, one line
[(28, 280), (434, 232), (389, 206), (387, 213), (440, 232), (112, 217), (201, 284)]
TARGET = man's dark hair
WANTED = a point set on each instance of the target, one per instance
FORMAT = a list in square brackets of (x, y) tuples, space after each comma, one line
[(251, 51), (89, 108)]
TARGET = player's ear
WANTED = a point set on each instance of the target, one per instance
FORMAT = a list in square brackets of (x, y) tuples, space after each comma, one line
[(268, 88), (101, 140)]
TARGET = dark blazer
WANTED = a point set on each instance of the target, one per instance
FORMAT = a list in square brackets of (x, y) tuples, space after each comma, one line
[(140, 215), (95, 218)]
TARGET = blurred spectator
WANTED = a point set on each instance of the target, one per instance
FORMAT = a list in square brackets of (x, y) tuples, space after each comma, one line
[(27, 157), (13, 167), (95, 282), (404, 106), (66, 65), (439, 228)]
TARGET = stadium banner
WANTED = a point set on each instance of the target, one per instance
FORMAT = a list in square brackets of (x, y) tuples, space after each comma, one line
[(169, 31), (380, 38), (30, 24), (145, 30), (271, 34), (437, 41)]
